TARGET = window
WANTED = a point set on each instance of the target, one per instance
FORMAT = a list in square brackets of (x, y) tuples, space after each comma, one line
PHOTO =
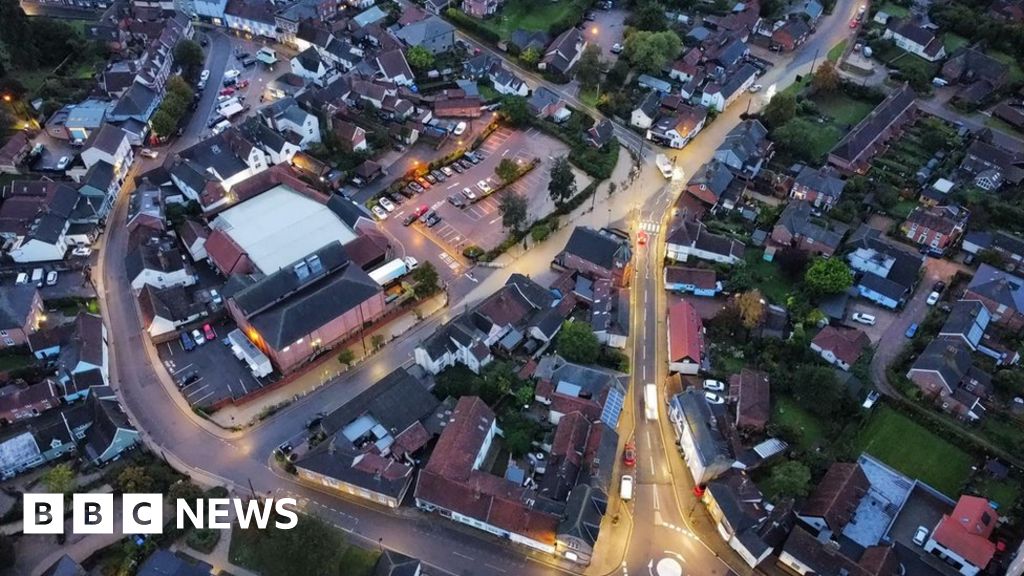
[(3, 333), (9, 341)]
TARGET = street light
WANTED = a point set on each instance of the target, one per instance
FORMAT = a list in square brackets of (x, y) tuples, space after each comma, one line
[(594, 30)]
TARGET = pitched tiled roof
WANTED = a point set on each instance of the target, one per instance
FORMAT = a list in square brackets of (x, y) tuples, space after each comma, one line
[(967, 530), (685, 336), (846, 343), (868, 131), (753, 398), (837, 496), (594, 246), (1000, 286), (702, 278)]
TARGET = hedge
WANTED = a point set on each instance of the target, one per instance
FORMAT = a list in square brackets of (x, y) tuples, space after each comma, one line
[(472, 25)]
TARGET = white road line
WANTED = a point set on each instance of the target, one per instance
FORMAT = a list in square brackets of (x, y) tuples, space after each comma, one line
[(462, 555), (186, 367), (651, 462), (654, 489), (492, 567), (644, 370), (505, 153), (492, 222), (471, 278), (201, 399), (649, 444), (454, 184), (200, 389), (243, 385)]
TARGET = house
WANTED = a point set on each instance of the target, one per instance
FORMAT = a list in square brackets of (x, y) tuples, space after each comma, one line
[(744, 519), (352, 138), (654, 84), (1002, 294), (798, 227), (563, 52), (85, 351), (977, 74), (701, 440), (299, 127), (1010, 113), (600, 134), (609, 314), (481, 8), (395, 68), (936, 227), (835, 499), (821, 187), (963, 538), (453, 484), (806, 554), (14, 152), (711, 184), (546, 104), (432, 33), (597, 254), (967, 322), (686, 68), (752, 392), (109, 144), (566, 388), (745, 148), (687, 353), (693, 239), (208, 170), (720, 95), (146, 207), (138, 103), (35, 219), (371, 439), (193, 236), (391, 563), (164, 562), (696, 281), (309, 65), (840, 346), (33, 445), (20, 403), (110, 433), (991, 165), (791, 35), (276, 311), (505, 82), (254, 17), (158, 263), (676, 130), (946, 373), (912, 37), (887, 274), (1009, 247), (871, 134), (644, 114), (99, 188), (165, 310)]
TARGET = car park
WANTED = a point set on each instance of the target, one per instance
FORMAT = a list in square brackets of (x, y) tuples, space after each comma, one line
[(208, 332), (713, 398), (469, 194), (186, 342), (457, 200), (51, 278), (714, 385), (190, 378), (867, 319), (932, 298), (911, 330), (198, 337), (379, 212), (386, 204)]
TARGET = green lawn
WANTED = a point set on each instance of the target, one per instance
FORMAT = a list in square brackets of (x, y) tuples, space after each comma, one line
[(589, 98), (10, 362), (1016, 74), (837, 51), (487, 92), (358, 561), (845, 111), (907, 62), (953, 42), (1002, 492), (788, 413), (914, 450), (528, 16), (767, 277), (728, 363), (894, 10), (902, 208)]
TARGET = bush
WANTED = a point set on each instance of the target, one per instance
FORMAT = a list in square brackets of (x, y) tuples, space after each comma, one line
[(540, 232), (203, 539), (473, 252), (472, 25)]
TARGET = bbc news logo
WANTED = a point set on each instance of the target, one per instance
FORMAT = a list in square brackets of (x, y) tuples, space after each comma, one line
[(144, 513)]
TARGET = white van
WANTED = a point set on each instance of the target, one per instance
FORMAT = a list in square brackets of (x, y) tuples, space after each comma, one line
[(626, 488), (222, 126), (37, 277), (864, 318)]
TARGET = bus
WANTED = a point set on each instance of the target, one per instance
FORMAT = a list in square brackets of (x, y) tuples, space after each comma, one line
[(651, 401)]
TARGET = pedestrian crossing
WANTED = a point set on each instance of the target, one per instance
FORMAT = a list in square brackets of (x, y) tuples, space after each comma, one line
[(650, 227)]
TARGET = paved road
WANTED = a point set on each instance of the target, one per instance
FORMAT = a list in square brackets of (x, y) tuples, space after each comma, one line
[(217, 52), (239, 459)]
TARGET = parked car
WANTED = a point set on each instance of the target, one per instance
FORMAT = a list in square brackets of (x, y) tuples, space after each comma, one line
[(457, 200), (423, 209), (409, 219), (227, 91), (204, 76), (386, 204), (433, 220), (484, 186), (472, 157), (713, 398), (870, 401), (63, 162), (425, 215), (439, 175), (863, 318), (396, 199), (148, 153), (51, 278), (81, 251), (616, 48), (626, 487), (920, 536), (466, 164), (208, 332), (459, 128), (379, 212), (186, 342), (447, 171), (431, 178), (232, 73), (939, 286), (932, 299), (198, 337), (911, 330), (755, 88), (458, 167), (629, 456), (469, 194), (189, 378), (424, 183), (714, 386), (215, 297)]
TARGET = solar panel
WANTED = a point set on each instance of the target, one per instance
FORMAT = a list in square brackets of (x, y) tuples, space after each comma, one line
[(613, 408)]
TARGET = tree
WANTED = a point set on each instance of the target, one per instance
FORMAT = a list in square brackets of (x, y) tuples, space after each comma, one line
[(1009, 383), (189, 55), (563, 183), (524, 395), (780, 110), (589, 68), (577, 343), (797, 137), (347, 357), (184, 490), (519, 433), (828, 276), (497, 379), (540, 232), (177, 85), (817, 390), (377, 341), (792, 262), (651, 51), (60, 479), (507, 170), (751, 306), (135, 479), (516, 110), (163, 123), (530, 56), (513, 210), (420, 58), (790, 479), (426, 279), (649, 16), (826, 78)]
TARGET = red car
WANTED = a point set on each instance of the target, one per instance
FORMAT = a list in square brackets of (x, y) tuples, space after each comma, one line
[(421, 210), (629, 456), (641, 238), (208, 332), (227, 91), (853, 24), (243, 84)]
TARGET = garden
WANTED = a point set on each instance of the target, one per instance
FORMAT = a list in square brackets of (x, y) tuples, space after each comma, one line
[(311, 547)]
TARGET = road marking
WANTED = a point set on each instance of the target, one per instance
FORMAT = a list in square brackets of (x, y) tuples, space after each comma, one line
[(492, 222), (505, 153), (454, 184), (462, 555), (187, 366), (654, 489), (196, 390), (243, 386), (203, 398), (471, 278), (493, 567), (644, 370), (651, 462)]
